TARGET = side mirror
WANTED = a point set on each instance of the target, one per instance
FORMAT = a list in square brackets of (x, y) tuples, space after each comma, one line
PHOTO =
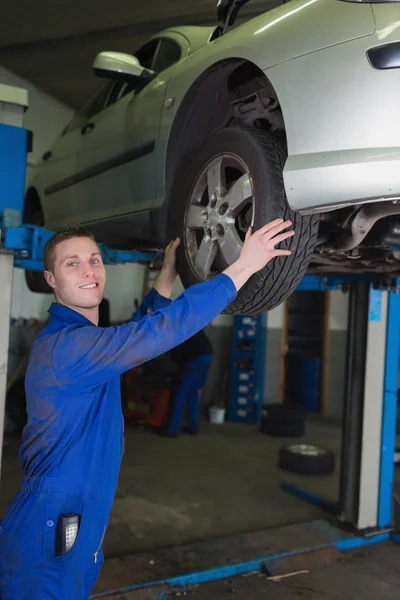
[(227, 11), (116, 65)]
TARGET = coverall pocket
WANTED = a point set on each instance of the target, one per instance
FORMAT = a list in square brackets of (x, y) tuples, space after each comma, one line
[(88, 541)]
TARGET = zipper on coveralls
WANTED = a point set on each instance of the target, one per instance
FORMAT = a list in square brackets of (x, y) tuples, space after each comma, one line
[(98, 549)]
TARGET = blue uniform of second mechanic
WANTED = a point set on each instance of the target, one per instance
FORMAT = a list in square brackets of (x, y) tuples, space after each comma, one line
[(72, 445)]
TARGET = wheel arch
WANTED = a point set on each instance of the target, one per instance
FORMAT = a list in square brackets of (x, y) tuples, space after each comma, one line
[(32, 204), (218, 86)]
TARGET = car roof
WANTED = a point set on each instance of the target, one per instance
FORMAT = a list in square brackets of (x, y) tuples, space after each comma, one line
[(197, 36)]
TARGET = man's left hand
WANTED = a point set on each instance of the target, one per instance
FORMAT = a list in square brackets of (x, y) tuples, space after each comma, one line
[(166, 280)]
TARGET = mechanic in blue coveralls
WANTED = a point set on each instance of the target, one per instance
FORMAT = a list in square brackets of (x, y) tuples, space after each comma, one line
[(195, 357), (71, 446)]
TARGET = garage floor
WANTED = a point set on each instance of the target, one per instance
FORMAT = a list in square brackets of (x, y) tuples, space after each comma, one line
[(179, 491), (174, 492), (367, 574)]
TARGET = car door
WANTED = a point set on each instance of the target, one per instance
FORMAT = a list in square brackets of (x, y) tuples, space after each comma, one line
[(56, 173), (144, 116), (116, 158)]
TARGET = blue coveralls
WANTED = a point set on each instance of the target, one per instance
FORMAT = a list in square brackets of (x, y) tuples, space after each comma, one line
[(195, 356), (72, 444)]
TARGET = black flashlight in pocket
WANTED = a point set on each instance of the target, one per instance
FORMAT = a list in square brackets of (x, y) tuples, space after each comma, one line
[(68, 527)]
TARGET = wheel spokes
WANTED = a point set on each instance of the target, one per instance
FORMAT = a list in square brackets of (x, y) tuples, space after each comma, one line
[(205, 256), (239, 195), (195, 216), (215, 180), (230, 244)]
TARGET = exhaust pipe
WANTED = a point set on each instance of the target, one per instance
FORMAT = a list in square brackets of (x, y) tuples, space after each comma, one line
[(362, 223)]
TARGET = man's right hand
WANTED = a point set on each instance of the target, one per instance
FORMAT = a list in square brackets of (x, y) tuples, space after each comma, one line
[(258, 249)]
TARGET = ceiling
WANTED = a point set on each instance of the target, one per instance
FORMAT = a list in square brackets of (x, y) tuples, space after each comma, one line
[(52, 43)]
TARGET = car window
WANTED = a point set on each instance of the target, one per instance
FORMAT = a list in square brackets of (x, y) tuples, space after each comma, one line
[(114, 93), (168, 53), (95, 105), (146, 54)]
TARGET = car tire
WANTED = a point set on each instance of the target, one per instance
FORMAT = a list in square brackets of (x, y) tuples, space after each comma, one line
[(306, 459), (35, 280), (283, 413), (258, 157), (289, 430)]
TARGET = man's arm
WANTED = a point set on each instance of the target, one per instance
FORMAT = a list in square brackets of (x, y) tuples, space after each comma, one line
[(88, 356), (159, 296), (151, 302)]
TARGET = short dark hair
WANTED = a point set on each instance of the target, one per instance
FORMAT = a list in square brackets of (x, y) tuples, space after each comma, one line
[(71, 230)]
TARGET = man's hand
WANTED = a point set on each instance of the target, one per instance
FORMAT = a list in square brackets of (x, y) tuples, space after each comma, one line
[(258, 249), (165, 281)]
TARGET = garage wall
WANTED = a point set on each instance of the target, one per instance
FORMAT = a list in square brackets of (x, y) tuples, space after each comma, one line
[(46, 116)]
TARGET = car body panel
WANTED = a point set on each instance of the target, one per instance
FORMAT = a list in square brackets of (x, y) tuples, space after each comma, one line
[(63, 162), (276, 39), (353, 156)]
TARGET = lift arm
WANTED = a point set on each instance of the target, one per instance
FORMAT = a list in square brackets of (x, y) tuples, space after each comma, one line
[(27, 242)]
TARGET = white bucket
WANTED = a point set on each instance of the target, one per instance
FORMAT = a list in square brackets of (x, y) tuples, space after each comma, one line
[(217, 415)]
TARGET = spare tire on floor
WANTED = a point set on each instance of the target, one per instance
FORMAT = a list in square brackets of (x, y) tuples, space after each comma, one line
[(307, 459)]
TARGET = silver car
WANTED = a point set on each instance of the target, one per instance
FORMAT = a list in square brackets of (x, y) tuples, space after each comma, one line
[(204, 132)]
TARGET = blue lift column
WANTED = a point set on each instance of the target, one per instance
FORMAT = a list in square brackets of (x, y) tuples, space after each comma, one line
[(369, 432), (13, 151), (366, 494)]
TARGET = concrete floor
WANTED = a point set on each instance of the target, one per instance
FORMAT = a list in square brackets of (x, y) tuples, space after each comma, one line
[(179, 491), (369, 574)]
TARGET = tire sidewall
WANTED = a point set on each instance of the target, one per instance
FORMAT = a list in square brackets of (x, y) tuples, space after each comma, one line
[(235, 141), (303, 464)]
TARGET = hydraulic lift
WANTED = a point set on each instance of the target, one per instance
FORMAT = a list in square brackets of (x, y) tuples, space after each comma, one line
[(366, 498), (364, 513)]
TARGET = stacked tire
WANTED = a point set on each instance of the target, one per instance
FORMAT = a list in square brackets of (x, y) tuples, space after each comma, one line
[(282, 420)]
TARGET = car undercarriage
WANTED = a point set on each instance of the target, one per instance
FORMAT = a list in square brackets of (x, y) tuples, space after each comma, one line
[(365, 238)]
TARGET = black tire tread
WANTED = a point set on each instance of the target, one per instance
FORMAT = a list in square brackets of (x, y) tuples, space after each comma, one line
[(272, 285), (285, 273)]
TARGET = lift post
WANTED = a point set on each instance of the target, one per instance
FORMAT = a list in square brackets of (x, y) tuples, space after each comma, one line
[(370, 408), (13, 148)]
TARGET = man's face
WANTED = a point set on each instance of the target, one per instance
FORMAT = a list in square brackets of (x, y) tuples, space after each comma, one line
[(79, 276)]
